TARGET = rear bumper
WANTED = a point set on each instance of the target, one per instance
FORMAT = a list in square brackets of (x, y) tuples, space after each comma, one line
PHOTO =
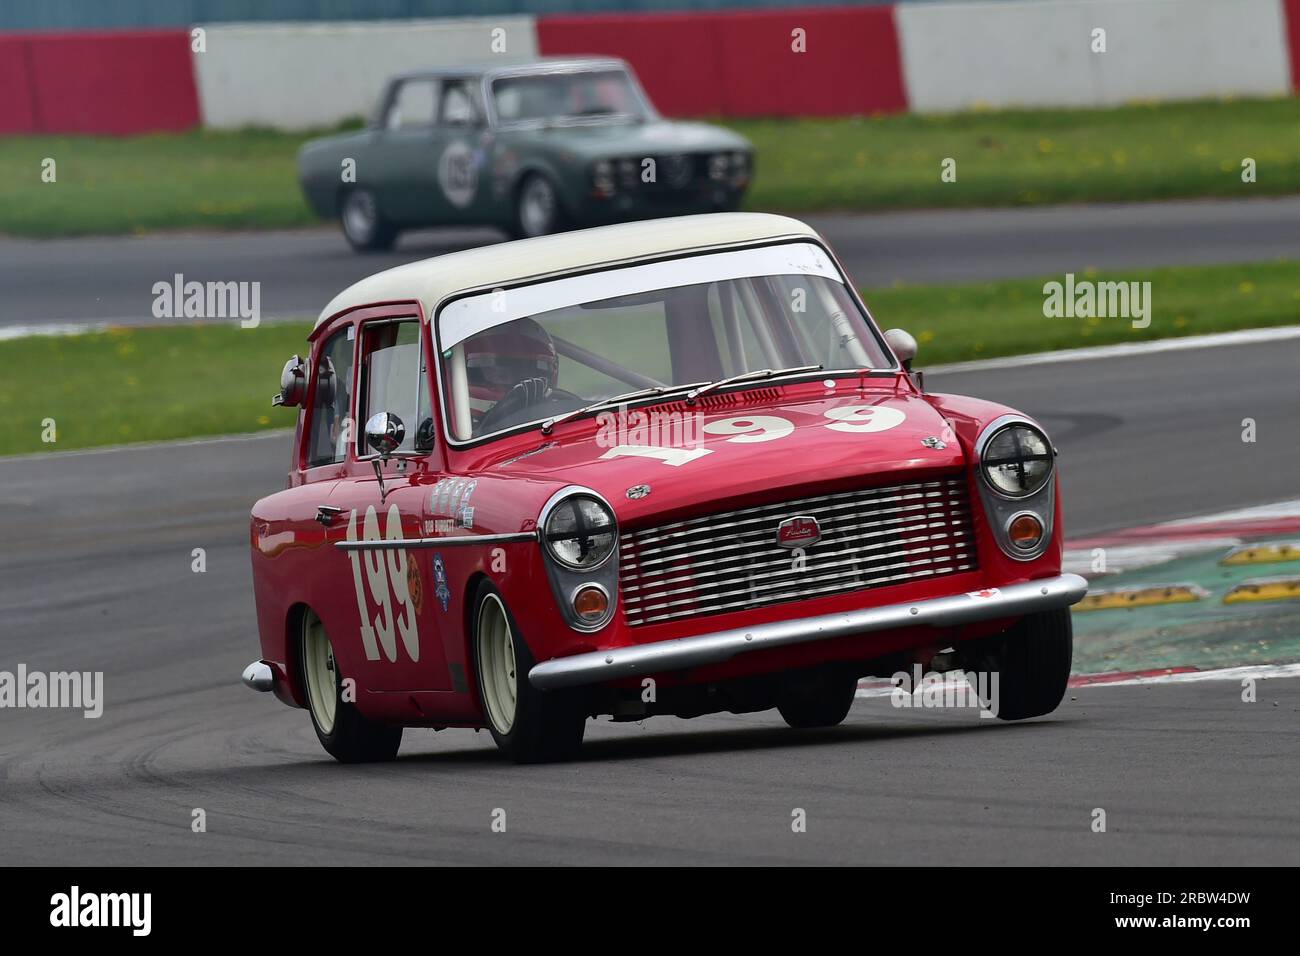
[(1014, 600)]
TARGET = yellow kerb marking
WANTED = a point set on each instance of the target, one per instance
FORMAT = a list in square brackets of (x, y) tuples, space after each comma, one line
[(1264, 589), (1141, 596), (1265, 552)]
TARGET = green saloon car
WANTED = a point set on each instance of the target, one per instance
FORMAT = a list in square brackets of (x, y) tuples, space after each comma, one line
[(533, 148)]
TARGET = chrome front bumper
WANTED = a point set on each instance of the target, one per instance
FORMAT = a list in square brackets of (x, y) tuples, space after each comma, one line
[(1014, 600)]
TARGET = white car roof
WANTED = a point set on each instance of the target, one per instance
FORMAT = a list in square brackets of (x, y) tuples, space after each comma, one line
[(430, 281)]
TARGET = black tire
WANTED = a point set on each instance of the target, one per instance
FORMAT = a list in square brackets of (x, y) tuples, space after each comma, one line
[(1032, 660), (821, 699), (352, 738), (524, 225), (364, 226), (547, 726)]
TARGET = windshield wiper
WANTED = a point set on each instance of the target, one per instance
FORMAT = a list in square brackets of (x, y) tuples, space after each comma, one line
[(549, 424), (746, 376)]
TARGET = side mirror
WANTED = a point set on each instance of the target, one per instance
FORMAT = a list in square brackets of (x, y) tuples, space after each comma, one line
[(293, 383), (385, 433), (903, 345)]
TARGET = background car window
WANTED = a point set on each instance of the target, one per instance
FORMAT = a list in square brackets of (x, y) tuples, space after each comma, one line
[(393, 380), (457, 105), (585, 93), (412, 106), (332, 404)]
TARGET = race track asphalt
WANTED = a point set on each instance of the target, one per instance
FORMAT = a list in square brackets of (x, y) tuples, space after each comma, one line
[(95, 574), (111, 279)]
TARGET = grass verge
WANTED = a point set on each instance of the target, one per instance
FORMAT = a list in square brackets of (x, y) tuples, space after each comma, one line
[(247, 179), (150, 384)]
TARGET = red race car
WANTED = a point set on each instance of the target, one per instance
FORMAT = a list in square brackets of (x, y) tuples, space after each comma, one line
[(669, 467)]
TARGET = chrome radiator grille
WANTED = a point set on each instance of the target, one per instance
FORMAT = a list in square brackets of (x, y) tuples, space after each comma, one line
[(730, 561)]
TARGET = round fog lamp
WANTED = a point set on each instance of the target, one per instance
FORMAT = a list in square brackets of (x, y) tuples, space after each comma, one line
[(590, 603), (1025, 531)]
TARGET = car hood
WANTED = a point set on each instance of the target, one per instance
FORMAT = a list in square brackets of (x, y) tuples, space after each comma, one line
[(817, 441), (652, 138)]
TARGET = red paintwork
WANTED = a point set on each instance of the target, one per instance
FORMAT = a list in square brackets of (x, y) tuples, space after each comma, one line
[(295, 564), (112, 82)]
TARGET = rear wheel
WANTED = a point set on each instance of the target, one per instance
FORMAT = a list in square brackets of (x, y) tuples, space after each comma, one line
[(530, 725), (342, 731), (364, 226), (1032, 662), (817, 700)]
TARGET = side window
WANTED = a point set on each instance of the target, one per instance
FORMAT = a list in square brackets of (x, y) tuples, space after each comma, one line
[(394, 380), (457, 105), (331, 429), (412, 106)]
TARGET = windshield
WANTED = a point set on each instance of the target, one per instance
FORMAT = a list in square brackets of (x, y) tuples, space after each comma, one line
[(586, 93), (518, 356)]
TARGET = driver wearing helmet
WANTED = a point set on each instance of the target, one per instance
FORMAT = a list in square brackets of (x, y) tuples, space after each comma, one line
[(512, 371)]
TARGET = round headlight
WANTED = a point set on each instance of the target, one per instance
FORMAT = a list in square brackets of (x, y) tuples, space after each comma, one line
[(1017, 461), (580, 532)]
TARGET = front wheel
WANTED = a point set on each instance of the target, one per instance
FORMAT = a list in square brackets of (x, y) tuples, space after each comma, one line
[(530, 725), (1030, 662), (343, 732), (364, 226), (538, 210)]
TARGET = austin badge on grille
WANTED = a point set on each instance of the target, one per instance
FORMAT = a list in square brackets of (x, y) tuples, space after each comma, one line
[(798, 532)]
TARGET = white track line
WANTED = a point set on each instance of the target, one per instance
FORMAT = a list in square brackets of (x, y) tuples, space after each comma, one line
[(1215, 340), (146, 446), (1256, 671)]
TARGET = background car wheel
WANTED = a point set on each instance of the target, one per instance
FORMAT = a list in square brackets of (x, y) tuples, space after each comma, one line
[(822, 699), (343, 732), (530, 725), (364, 226), (538, 211), (1032, 660)]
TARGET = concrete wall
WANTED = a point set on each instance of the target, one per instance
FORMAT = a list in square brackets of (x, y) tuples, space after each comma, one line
[(956, 56), (295, 76)]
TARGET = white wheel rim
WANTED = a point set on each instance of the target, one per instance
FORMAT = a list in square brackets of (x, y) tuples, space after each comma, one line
[(497, 670), (537, 207), (318, 665), (359, 216)]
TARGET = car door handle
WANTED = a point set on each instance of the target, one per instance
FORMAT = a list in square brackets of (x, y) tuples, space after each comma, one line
[(326, 514)]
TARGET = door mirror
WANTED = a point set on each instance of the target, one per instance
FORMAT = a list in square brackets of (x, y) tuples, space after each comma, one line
[(903, 345), (293, 383), (385, 433)]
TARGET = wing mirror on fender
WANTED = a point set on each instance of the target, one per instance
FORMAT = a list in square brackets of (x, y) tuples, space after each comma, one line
[(385, 434)]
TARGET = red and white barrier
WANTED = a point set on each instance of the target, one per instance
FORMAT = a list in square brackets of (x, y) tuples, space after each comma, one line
[(119, 83), (796, 62), (832, 61)]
